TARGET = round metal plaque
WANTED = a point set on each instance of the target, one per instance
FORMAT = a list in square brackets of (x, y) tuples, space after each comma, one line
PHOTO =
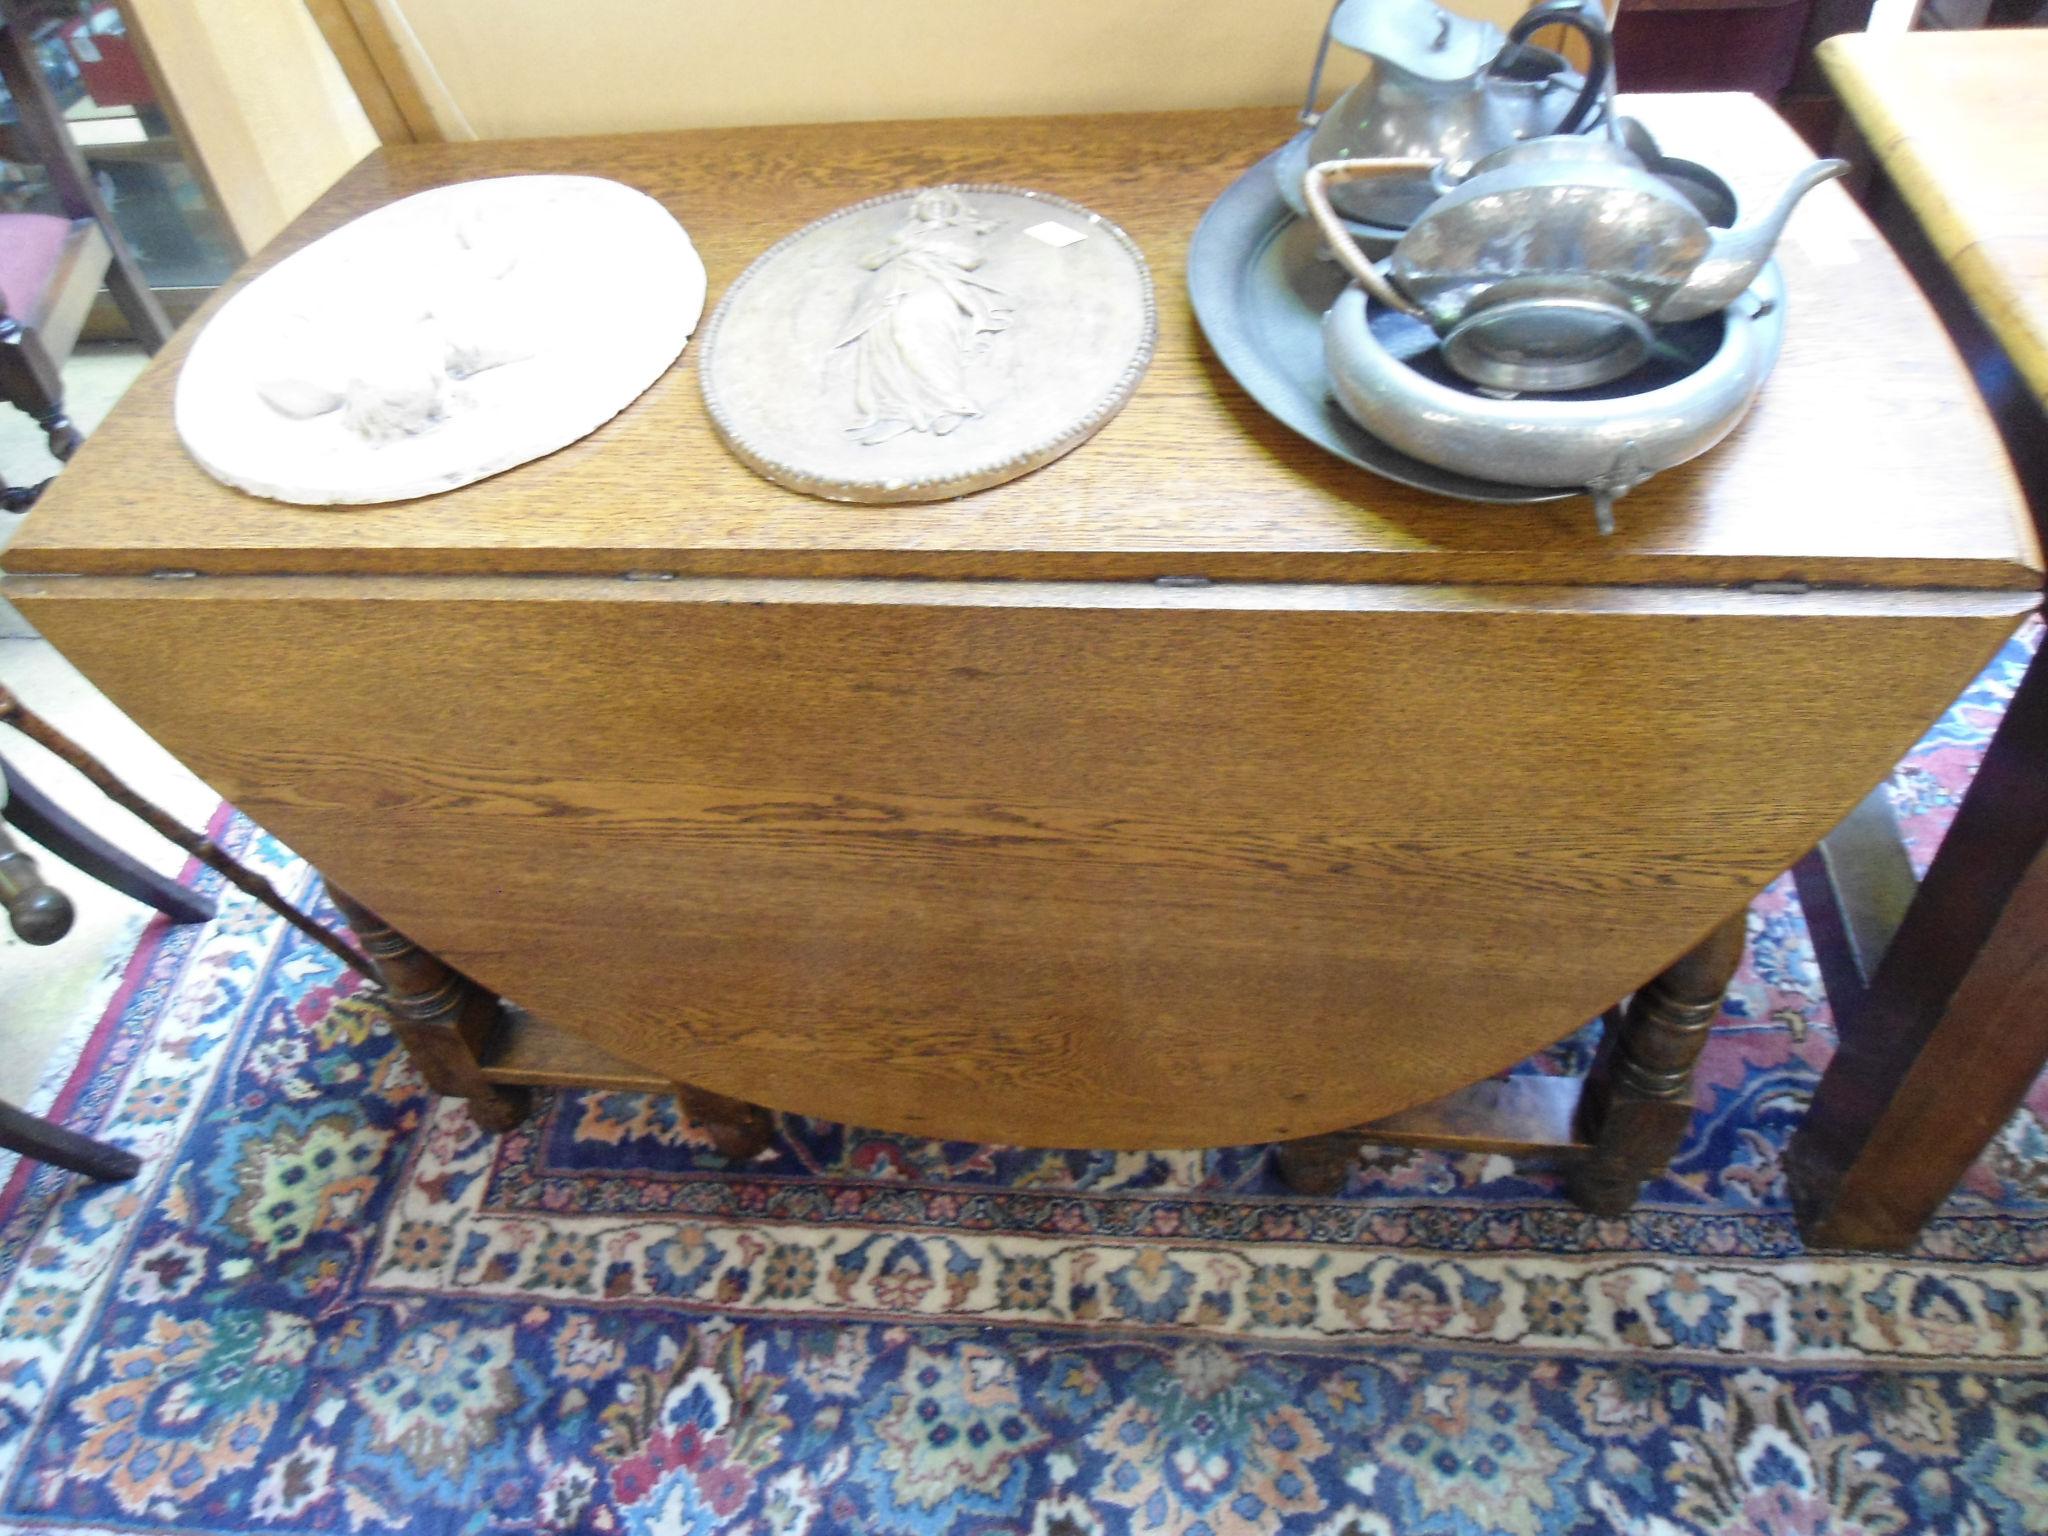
[(929, 343)]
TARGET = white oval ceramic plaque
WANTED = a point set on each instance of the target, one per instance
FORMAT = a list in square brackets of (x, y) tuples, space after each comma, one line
[(439, 339), (928, 344)]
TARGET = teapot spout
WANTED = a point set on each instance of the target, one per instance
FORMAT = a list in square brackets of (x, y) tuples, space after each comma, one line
[(1738, 254)]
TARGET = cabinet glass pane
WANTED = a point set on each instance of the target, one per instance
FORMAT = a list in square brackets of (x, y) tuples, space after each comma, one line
[(114, 117)]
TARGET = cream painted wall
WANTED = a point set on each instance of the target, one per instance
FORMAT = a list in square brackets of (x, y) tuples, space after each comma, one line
[(538, 67), (261, 100)]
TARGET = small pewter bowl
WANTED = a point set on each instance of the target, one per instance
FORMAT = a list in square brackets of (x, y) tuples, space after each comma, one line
[(1387, 374)]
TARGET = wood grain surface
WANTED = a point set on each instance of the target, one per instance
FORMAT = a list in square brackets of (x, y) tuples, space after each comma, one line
[(1059, 863), (1959, 120), (1867, 459), (1066, 857)]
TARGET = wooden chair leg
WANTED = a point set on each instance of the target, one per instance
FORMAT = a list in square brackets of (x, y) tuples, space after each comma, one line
[(62, 437), (444, 1020), (41, 818), (29, 377), (38, 912), (1942, 1049), (27, 371), (1638, 1101), (19, 498), (47, 1143)]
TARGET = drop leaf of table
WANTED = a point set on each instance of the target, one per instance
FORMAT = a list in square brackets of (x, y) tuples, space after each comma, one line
[(975, 819)]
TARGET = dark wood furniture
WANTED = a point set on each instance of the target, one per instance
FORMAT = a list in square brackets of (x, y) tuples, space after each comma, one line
[(37, 911), (38, 816), (1942, 994), (41, 124), (50, 267), (40, 914), (1195, 789), (1709, 45), (46, 1142), (1763, 46)]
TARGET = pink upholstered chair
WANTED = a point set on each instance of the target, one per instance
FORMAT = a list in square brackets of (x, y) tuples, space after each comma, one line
[(50, 268)]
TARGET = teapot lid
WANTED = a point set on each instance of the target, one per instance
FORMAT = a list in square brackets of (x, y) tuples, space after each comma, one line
[(1413, 35)]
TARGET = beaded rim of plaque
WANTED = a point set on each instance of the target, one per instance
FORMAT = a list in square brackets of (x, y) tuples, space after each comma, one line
[(983, 477)]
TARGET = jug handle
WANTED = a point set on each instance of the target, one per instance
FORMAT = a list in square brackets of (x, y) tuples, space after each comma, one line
[(1309, 114), (1571, 13), (1342, 246)]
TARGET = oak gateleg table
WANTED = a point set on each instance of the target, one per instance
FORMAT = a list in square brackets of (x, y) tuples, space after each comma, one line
[(1196, 789)]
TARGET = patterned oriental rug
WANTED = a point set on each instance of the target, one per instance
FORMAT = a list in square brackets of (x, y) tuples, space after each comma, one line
[(331, 1305)]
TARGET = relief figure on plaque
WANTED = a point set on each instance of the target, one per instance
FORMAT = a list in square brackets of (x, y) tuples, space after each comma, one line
[(918, 319), (390, 355)]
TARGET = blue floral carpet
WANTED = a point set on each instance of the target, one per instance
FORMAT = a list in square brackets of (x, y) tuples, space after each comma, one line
[(331, 1305)]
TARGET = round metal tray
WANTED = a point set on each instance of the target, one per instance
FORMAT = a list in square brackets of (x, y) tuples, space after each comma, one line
[(1260, 294)]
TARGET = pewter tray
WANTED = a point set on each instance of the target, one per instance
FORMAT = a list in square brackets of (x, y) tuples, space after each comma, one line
[(1260, 291)]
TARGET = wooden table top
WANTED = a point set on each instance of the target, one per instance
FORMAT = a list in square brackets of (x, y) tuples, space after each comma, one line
[(1960, 122), (1866, 461)]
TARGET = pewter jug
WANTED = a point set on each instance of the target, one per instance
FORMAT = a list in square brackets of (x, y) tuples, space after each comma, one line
[(1449, 89)]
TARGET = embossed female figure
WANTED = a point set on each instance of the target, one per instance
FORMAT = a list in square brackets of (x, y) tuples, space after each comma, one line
[(917, 321)]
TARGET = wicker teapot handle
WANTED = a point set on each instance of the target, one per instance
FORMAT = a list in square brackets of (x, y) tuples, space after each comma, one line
[(1314, 191)]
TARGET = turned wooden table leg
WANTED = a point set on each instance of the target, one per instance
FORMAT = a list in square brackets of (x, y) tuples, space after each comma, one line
[(444, 1020), (1317, 1165), (737, 1129), (1620, 1126), (1638, 1100)]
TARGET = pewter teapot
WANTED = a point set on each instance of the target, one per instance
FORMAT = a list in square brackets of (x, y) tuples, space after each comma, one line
[(1445, 88), (1548, 267)]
